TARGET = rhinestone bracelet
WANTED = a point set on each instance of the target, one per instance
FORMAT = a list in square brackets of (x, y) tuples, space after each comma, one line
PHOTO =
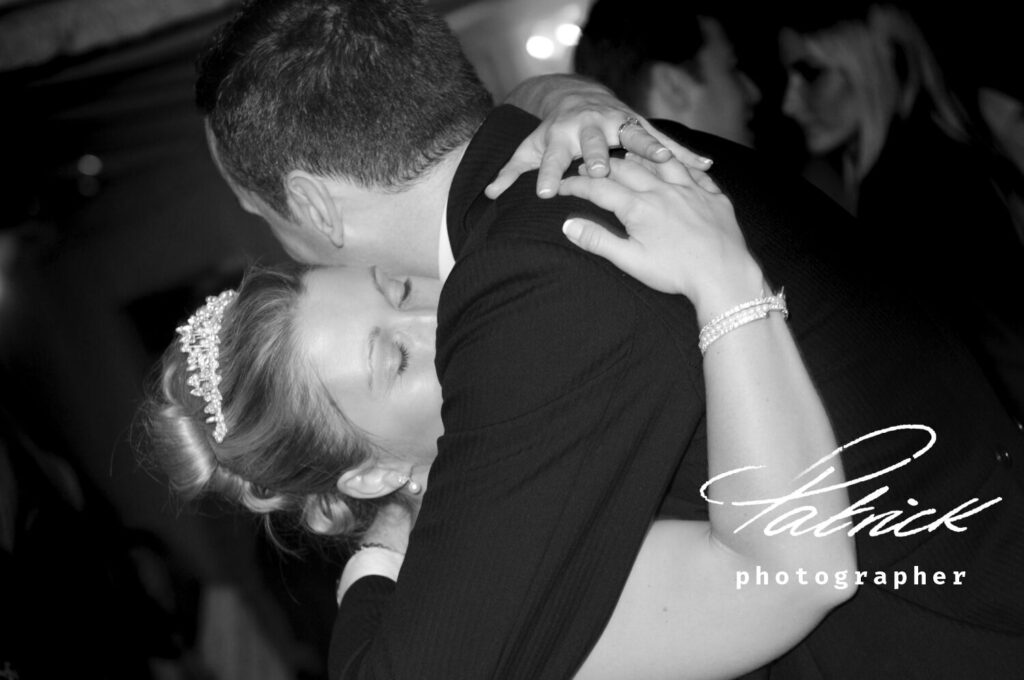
[(741, 315)]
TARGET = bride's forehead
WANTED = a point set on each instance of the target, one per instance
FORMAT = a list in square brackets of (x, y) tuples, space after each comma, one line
[(341, 281), (337, 295)]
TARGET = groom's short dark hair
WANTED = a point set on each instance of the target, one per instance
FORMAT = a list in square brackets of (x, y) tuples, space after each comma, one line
[(375, 91)]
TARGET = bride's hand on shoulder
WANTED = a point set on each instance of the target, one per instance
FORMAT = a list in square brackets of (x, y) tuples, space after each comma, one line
[(683, 236), (580, 118)]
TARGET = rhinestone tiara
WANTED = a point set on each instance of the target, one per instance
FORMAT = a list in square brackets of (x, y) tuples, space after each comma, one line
[(200, 341)]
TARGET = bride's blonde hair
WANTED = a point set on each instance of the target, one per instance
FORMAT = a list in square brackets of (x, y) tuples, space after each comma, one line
[(287, 442)]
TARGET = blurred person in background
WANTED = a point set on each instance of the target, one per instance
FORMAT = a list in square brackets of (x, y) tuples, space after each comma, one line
[(683, 69), (893, 145), (80, 592), (995, 93), (1001, 105)]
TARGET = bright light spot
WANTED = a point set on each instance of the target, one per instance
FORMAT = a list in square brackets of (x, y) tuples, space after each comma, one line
[(568, 34), (540, 47), (90, 165)]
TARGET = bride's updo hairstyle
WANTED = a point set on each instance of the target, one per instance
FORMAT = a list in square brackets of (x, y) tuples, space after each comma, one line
[(286, 441)]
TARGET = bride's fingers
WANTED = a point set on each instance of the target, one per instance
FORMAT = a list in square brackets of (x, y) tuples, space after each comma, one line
[(624, 253), (646, 176), (633, 158), (553, 163), (675, 172), (704, 181), (610, 194), (517, 165), (639, 140), (671, 171), (594, 147), (684, 155)]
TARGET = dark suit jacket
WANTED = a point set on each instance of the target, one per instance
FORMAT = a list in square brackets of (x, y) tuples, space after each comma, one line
[(573, 396), (950, 231)]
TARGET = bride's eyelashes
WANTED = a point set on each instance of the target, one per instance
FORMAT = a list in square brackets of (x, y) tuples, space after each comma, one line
[(404, 363), (406, 292)]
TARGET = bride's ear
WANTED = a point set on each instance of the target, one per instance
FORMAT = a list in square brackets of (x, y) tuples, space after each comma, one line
[(371, 481)]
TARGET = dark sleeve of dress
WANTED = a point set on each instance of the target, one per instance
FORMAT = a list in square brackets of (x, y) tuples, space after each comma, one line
[(568, 405)]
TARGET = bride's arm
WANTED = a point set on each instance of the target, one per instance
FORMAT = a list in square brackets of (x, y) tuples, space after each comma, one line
[(683, 613)]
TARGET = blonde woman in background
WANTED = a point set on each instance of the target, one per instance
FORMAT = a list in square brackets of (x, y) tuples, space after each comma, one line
[(889, 141)]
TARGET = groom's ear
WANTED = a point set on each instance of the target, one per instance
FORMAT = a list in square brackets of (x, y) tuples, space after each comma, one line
[(313, 205), (673, 85), (370, 480)]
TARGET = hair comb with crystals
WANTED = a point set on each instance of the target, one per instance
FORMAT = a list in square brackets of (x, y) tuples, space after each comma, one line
[(200, 341)]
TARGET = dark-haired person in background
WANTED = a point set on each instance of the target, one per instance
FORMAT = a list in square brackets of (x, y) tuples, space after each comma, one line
[(683, 69), (358, 130)]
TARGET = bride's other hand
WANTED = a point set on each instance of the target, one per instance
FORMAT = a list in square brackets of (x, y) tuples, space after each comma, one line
[(391, 528), (580, 119), (683, 237)]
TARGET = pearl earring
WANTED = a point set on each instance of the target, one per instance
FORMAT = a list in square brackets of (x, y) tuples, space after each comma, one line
[(407, 482)]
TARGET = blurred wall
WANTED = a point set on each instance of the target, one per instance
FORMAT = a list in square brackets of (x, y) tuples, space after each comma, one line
[(114, 223)]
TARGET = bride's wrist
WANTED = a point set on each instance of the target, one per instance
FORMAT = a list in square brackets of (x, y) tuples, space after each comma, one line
[(732, 287), (390, 527)]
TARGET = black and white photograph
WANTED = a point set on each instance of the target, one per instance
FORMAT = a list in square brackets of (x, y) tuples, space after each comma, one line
[(511, 340)]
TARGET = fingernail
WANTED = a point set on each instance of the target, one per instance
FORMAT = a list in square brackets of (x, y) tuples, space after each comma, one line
[(572, 230), (597, 166), (707, 162), (661, 150), (545, 192)]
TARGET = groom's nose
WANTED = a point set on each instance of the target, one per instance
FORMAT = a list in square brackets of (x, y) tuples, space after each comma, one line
[(421, 330)]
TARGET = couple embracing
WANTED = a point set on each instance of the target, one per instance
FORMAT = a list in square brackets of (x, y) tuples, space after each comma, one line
[(538, 377)]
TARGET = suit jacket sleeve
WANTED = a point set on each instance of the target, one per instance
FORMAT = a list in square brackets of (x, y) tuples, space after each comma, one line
[(568, 405)]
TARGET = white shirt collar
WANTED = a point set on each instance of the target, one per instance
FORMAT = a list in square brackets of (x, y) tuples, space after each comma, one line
[(445, 257)]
